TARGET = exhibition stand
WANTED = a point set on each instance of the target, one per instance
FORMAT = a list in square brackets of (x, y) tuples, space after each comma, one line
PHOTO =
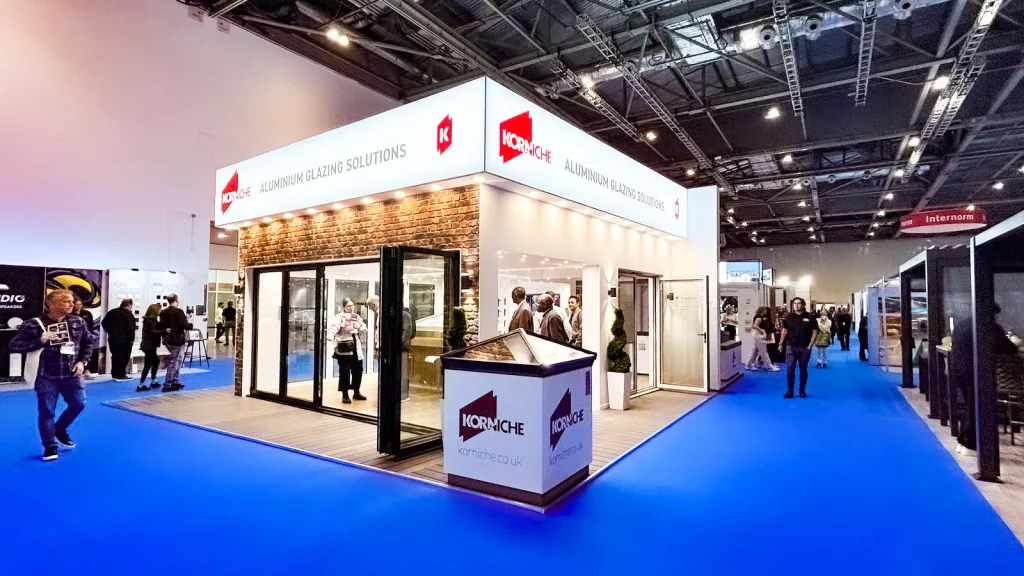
[(997, 279), (883, 315), (518, 417), (933, 285)]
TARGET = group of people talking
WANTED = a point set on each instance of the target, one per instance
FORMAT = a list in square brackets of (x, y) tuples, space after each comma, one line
[(550, 320)]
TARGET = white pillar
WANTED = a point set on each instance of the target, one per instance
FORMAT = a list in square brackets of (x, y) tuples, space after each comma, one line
[(598, 314)]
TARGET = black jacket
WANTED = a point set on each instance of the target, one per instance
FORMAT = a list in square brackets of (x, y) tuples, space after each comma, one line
[(120, 325), (174, 319), (843, 322), (151, 334)]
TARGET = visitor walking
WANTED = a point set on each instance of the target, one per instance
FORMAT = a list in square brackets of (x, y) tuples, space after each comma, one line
[(120, 325), (228, 318), (150, 343), (576, 320), (862, 336), (759, 354), (90, 323), (174, 325), (823, 340), (798, 333), (57, 348), (843, 323)]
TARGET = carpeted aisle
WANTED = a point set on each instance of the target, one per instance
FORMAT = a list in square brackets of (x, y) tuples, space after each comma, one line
[(849, 481)]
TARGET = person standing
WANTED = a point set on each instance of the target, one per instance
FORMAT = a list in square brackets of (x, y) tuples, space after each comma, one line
[(551, 325), (561, 313), (228, 317), (523, 316), (174, 325), (862, 337), (759, 327), (220, 322), (730, 321), (843, 323), (120, 325), (824, 339), (150, 343), (799, 333), (90, 323), (345, 328), (832, 321), (576, 321), (64, 347)]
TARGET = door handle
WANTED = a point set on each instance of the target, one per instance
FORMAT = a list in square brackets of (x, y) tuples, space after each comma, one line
[(705, 335)]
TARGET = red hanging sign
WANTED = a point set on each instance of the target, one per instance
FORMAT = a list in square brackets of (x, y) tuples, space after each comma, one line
[(943, 221)]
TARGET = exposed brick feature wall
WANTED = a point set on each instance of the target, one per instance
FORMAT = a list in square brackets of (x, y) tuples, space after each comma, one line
[(445, 220)]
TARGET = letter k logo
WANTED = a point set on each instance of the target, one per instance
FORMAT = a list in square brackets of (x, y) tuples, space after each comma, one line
[(444, 134)]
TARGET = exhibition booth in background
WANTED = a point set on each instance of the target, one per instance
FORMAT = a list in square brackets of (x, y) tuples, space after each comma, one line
[(23, 292), (450, 202), (952, 334)]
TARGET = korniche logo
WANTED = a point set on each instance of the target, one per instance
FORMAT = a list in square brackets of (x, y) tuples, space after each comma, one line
[(231, 192), (444, 134), (563, 418), (516, 138), (481, 415), (677, 209)]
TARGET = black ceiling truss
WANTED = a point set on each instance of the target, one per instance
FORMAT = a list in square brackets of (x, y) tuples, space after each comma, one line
[(713, 74)]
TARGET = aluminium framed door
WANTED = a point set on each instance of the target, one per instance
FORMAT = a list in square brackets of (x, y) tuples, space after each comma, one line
[(685, 336)]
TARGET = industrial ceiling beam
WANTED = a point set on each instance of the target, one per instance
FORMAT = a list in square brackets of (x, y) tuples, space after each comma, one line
[(867, 47), (222, 7), (781, 10)]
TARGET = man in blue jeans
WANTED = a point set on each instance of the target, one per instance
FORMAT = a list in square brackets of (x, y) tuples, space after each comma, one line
[(799, 331), (65, 347)]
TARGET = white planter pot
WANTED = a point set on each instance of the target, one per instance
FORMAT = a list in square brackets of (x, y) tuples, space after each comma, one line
[(620, 385)]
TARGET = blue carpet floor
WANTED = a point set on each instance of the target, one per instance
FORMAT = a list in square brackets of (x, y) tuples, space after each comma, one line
[(849, 481)]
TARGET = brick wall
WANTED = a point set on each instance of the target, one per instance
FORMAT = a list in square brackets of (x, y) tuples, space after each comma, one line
[(445, 220)]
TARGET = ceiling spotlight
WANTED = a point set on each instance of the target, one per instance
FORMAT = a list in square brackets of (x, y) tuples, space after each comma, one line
[(871, 233), (691, 172), (585, 211), (478, 179), (813, 237), (337, 206), (899, 173), (998, 186), (534, 194), (881, 213), (587, 81), (562, 203), (811, 229), (731, 211), (803, 203), (367, 200), (744, 224), (798, 186), (970, 207), (651, 135), (247, 223), (435, 187), (267, 220), (221, 235), (890, 196), (311, 211), (812, 27), (940, 83), (606, 218), (768, 37), (748, 39), (399, 194), (787, 158), (772, 113), (288, 215), (644, 229), (806, 218), (761, 241), (914, 142), (875, 225), (338, 37), (1021, 169), (753, 233)]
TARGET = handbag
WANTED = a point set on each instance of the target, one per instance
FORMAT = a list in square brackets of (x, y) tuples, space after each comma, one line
[(32, 361), (345, 347)]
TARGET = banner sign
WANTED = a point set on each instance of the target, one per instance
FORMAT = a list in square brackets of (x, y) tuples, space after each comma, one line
[(22, 290), (436, 138), (943, 221), (476, 127)]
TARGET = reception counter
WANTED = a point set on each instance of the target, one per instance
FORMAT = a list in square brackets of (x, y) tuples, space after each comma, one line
[(518, 418)]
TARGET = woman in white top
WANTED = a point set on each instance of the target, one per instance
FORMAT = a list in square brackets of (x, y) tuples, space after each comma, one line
[(345, 328), (759, 355), (730, 321)]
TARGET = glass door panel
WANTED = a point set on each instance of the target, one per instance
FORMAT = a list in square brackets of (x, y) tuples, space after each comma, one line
[(684, 337), (627, 302), (419, 289), (301, 334), (356, 281), (266, 376)]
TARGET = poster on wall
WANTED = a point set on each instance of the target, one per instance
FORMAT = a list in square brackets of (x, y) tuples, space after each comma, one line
[(22, 289)]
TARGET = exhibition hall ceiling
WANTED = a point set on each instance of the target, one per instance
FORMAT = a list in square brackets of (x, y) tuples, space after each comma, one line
[(819, 121)]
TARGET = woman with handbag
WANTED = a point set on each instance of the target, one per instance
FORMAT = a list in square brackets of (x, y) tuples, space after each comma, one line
[(150, 342), (345, 328)]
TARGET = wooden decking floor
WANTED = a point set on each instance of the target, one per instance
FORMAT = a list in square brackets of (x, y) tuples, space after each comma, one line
[(615, 432)]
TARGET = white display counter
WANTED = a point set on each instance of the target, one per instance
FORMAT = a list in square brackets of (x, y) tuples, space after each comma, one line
[(730, 364), (518, 417)]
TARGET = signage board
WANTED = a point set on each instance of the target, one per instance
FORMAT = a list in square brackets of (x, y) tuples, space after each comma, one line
[(567, 418), (436, 138), (22, 290), (943, 221), (532, 147)]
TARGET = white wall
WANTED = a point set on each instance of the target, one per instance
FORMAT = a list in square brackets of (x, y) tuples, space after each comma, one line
[(837, 270), (697, 256), (114, 115), (223, 257)]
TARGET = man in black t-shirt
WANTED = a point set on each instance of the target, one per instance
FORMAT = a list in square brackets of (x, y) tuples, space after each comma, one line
[(799, 331), (228, 318)]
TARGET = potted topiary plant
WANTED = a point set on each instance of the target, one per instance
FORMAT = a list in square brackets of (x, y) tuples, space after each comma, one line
[(457, 330), (620, 378)]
